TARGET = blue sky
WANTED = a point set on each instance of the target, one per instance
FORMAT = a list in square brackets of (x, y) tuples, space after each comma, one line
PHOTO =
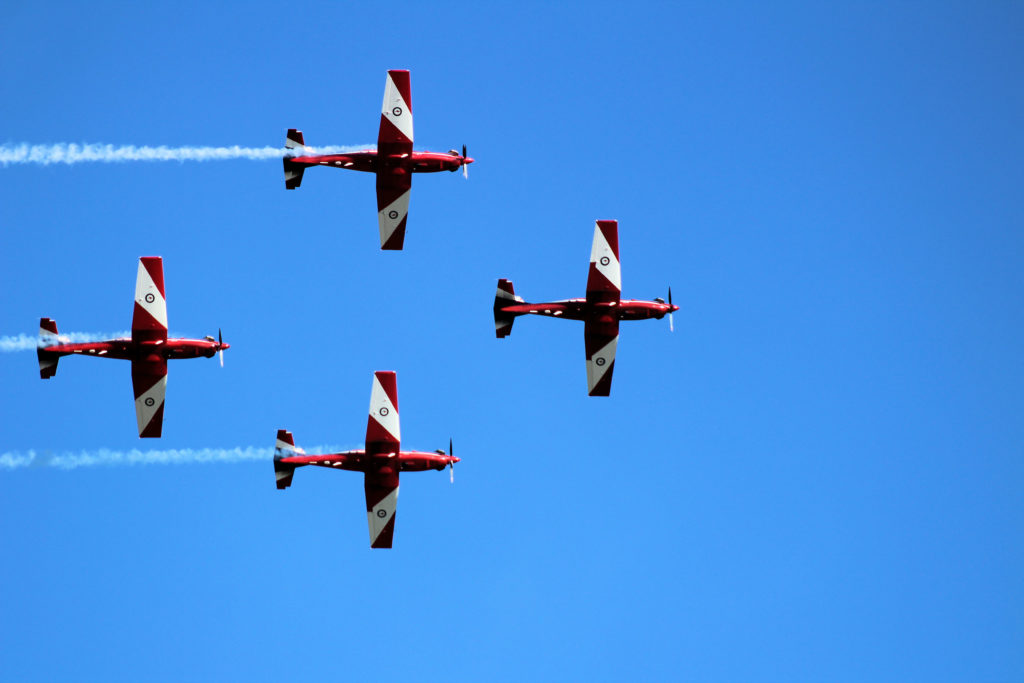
[(818, 476)]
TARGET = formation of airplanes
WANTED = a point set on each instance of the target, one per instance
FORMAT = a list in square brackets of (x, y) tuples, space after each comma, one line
[(382, 460)]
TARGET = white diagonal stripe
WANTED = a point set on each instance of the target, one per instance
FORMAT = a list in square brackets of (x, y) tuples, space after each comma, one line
[(394, 102), (149, 297), (600, 363), (399, 209), (378, 521)]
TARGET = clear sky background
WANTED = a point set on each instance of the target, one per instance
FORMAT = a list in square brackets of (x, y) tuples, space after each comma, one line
[(818, 476)]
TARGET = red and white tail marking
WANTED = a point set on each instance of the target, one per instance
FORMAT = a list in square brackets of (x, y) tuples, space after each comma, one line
[(293, 140), (149, 320), (382, 427), (507, 293), (604, 281), (396, 112), (285, 445)]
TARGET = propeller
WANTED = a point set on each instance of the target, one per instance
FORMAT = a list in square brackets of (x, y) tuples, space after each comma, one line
[(451, 463), (465, 167), (220, 346), (671, 327)]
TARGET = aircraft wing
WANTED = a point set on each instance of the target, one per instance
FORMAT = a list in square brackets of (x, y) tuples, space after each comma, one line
[(149, 321), (383, 433), (381, 487), (604, 281), (395, 136), (383, 437), (393, 191), (601, 338), (149, 380)]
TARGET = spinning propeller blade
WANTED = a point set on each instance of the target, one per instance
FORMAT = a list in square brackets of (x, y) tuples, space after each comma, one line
[(465, 167), (671, 327), (451, 464), (220, 347)]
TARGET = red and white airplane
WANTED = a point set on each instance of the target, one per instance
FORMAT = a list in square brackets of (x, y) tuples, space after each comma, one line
[(600, 311), (149, 349), (393, 161), (380, 462)]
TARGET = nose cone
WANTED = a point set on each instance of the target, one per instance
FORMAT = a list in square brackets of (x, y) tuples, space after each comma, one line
[(454, 459), (468, 160), (225, 346), (672, 308)]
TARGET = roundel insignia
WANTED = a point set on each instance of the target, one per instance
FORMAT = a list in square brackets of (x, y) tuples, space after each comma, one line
[(397, 111), (149, 402), (599, 362), (392, 214), (605, 260), (383, 411), (150, 298), (382, 513)]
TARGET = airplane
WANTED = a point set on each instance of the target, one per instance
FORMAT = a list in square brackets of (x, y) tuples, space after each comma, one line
[(148, 349), (394, 160), (600, 311), (381, 461)]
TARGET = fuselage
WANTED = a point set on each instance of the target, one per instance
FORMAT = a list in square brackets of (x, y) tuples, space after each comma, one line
[(128, 349), (370, 161), (361, 461), (581, 309)]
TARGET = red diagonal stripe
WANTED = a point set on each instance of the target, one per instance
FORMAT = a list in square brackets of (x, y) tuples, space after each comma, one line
[(402, 81), (610, 230), (155, 267)]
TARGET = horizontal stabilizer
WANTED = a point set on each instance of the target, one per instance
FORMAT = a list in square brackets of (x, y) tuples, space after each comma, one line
[(296, 147), (284, 448), (506, 296), (47, 359)]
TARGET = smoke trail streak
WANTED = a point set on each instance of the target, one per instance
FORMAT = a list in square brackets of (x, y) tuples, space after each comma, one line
[(25, 342), (65, 153), (14, 460)]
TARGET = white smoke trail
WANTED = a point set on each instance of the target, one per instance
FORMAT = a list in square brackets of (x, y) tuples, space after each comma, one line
[(110, 458), (106, 457), (65, 153), (25, 342)]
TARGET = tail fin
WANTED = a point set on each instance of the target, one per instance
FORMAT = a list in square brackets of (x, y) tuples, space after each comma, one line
[(297, 147), (47, 359), (284, 448), (506, 296)]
